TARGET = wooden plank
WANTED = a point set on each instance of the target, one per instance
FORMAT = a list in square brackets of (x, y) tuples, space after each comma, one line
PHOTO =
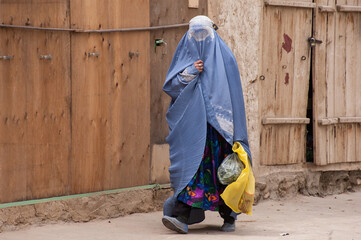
[(327, 121), (319, 80), (340, 78), (326, 9), (91, 145), (111, 96), (273, 80), (301, 70), (347, 8), (330, 121), (286, 80), (292, 4), (285, 121), (357, 32), (330, 84), (131, 113), (351, 93), (271, 48), (268, 86), (266, 142), (48, 110)]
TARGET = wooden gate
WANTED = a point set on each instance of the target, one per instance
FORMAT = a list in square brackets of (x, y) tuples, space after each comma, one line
[(285, 80), (337, 85), (284, 84), (74, 107)]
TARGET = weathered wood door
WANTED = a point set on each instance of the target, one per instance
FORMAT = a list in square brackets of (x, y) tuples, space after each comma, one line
[(284, 80), (337, 84), (111, 96), (336, 67)]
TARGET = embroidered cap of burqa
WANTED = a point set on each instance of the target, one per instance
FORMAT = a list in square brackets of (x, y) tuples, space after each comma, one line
[(214, 96)]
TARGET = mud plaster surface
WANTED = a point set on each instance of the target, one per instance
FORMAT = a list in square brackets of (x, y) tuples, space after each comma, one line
[(239, 26), (278, 186), (83, 209), (299, 218)]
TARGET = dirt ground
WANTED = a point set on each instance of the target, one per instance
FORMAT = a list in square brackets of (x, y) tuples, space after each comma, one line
[(335, 217)]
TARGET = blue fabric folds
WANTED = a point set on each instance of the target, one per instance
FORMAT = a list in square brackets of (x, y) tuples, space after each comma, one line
[(214, 96)]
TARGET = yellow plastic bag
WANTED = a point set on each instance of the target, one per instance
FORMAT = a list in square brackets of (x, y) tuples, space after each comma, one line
[(239, 195)]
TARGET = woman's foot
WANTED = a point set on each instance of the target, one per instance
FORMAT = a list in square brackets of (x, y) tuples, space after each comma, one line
[(228, 227), (174, 224)]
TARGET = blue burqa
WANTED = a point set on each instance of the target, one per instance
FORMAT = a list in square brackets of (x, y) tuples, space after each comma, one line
[(214, 96)]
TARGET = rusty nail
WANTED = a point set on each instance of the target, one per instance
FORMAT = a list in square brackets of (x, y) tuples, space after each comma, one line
[(284, 66), (46, 57), (303, 58), (93, 54), (5, 57), (262, 77)]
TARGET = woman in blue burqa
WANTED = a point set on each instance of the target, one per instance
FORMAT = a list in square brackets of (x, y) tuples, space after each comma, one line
[(205, 117)]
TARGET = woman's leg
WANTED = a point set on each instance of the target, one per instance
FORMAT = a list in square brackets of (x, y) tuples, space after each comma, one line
[(228, 221), (187, 214), (225, 213), (181, 211)]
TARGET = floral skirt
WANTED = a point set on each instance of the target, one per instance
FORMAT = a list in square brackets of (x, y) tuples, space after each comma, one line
[(204, 190)]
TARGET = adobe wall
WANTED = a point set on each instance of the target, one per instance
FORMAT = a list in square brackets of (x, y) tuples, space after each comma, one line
[(239, 26)]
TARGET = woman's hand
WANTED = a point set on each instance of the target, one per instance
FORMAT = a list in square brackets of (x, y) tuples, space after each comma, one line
[(199, 65)]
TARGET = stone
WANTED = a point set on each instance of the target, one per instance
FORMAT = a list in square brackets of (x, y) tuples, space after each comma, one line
[(261, 185), (266, 195)]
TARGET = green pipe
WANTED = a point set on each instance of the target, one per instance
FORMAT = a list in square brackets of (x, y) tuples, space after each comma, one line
[(31, 202)]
